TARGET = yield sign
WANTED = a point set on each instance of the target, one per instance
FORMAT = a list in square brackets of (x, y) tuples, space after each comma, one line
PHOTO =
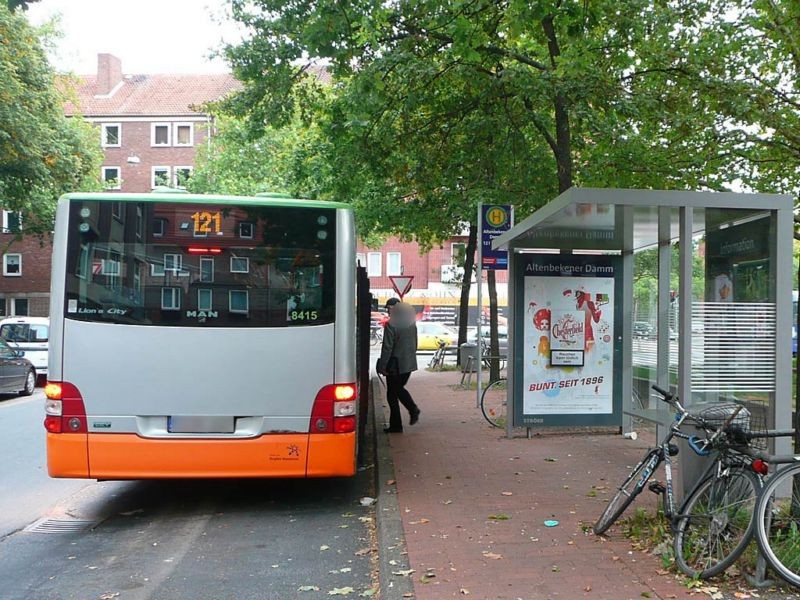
[(401, 284)]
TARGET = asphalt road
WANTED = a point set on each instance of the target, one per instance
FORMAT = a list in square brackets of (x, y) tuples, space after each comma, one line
[(173, 540)]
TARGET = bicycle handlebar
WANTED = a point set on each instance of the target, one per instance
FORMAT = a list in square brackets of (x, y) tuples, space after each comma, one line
[(667, 396)]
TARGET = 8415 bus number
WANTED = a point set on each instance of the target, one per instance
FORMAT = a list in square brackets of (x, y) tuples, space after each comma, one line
[(303, 315)]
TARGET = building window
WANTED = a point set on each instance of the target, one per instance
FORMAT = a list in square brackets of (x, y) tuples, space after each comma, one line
[(204, 299), (117, 211), (82, 268), (173, 263), (374, 264), (160, 177), (111, 135), (182, 175), (139, 222), (159, 135), (240, 264), (170, 298), (12, 265), (112, 178), (159, 227), (184, 134), (393, 264), (20, 307), (458, 252), (206, 270), (246, 230), (238, 301), (12, 222)]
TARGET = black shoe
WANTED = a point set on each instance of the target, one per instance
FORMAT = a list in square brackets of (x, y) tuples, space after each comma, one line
[(414, 417), (392, 430)]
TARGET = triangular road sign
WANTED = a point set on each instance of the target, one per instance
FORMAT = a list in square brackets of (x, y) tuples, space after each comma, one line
[(401, 284)]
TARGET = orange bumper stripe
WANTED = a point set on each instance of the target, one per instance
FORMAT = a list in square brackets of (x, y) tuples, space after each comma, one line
[(128, 456)]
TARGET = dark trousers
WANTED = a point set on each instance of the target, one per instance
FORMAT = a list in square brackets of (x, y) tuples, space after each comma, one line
[(396, 394)]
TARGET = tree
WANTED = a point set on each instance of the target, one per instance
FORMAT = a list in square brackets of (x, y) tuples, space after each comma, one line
[(441, 105), (42, 153)]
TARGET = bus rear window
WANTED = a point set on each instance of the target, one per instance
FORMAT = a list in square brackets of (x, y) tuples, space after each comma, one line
[(200, 265)]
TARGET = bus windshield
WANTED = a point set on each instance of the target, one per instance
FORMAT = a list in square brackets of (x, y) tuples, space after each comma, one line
[(200, 265)]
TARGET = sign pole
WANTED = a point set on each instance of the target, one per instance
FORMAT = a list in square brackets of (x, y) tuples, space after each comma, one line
[(479, 280)]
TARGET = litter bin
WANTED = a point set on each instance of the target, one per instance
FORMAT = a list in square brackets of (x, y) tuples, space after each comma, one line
[(466, 350)]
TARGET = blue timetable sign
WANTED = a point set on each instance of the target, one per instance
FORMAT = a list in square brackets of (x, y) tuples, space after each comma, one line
[(496, 219)]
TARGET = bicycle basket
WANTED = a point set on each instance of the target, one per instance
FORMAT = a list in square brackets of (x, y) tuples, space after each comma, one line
[(746, 421)]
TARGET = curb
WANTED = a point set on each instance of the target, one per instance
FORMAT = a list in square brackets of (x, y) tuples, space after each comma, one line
[(392, 554)]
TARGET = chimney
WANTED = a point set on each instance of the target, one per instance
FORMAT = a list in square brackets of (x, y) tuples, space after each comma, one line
[(109, 73)]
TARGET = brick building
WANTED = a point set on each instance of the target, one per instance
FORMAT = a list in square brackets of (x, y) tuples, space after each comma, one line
[(149, 127)]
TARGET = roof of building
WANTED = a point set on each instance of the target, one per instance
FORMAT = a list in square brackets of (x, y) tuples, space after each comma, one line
[(149, 95)]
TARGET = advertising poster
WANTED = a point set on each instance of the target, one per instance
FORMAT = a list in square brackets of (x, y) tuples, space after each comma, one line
[(568, 337)]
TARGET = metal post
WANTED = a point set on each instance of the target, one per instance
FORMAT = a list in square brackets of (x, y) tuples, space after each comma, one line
[(479, 280)]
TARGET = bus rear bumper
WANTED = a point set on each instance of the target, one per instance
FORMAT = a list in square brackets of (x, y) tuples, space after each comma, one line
[(128, 456)]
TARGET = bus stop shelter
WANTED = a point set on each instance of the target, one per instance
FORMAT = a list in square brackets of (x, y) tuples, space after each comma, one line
[(614, 290)]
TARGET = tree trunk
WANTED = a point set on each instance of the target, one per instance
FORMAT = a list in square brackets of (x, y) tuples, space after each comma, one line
[(469, 267), (563, 149)]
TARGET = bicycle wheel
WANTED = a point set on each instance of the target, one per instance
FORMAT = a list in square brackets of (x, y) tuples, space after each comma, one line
[(627, 492), (494, 403), (715, 523), (778, 524)]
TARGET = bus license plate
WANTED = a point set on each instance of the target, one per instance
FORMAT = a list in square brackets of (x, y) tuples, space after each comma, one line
[(199, 424)]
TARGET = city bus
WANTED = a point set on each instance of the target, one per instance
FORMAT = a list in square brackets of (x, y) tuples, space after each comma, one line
[(201, 336)]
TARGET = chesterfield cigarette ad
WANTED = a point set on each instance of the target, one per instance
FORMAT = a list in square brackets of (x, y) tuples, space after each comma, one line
[(569, 340)]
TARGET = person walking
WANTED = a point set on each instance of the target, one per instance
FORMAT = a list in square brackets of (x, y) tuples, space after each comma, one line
[(398, 360)]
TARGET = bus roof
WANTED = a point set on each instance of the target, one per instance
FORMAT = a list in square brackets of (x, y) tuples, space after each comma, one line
[(178, 197)]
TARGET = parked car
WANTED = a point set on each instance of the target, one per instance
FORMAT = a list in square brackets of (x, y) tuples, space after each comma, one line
[(431, 333), (31, 335), (17, 373), (502, 337), (643, 329)]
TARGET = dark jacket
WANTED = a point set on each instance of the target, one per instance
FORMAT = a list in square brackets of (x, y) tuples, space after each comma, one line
[(400, 339)]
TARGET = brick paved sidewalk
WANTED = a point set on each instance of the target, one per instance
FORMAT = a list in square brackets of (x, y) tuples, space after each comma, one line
[(473, 506)]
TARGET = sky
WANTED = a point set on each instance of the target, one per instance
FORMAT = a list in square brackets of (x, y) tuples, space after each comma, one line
[(148, 36)]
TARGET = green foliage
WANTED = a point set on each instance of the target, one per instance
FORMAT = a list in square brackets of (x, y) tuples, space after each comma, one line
[(42, 153), (440, 105)]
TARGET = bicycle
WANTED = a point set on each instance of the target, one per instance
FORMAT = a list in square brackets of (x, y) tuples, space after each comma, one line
[(375, 335), (494, 402), (714, 523), (437, 360), (777, 518)]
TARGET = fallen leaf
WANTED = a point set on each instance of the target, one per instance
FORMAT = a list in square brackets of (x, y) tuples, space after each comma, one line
[(308, 588), (550, 459), (499, 517), (493, 555), (507, 493), (555, 569), (464, 592), (367, 501), (391, 482), (588, 588), (403, 573), (341, 591), (363, 551), (324, 547), (368, 593)]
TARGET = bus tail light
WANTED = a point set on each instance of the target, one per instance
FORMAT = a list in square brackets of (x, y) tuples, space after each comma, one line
[(64, 409), (334, 409)]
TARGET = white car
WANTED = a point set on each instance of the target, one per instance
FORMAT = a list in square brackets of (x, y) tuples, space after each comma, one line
[(31, 335)]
